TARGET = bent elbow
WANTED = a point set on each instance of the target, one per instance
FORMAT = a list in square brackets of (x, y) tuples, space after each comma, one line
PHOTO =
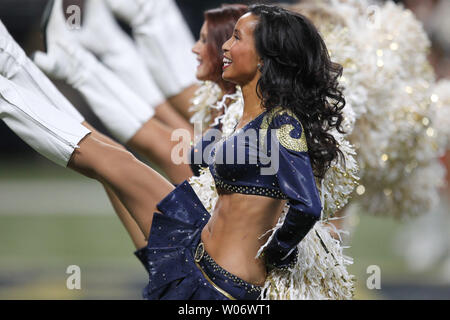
[(314, 210)]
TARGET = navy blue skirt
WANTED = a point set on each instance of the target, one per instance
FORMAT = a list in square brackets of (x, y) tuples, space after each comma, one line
[(179, 268)]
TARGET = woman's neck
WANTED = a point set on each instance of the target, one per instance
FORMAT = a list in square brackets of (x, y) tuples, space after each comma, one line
[(225, 90), (252, 103)]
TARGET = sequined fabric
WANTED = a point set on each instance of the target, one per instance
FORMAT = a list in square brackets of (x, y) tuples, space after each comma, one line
[(269, 157), (169, 256)]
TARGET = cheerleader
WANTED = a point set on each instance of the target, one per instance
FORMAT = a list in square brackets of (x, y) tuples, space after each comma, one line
[(188, 255), (210, 97), (108, 98), (111, 99), (221, 105), (123, 58)]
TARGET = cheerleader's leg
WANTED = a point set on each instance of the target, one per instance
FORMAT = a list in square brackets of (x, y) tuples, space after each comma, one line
[(22, 72), (101, 35), (182, 101), (165, 42), (16, 66), (123, 112), (139, 187), (133, 230), (53, 134), (47, 130), (167, 114), (119, 95), (66, 142), (119, 56)]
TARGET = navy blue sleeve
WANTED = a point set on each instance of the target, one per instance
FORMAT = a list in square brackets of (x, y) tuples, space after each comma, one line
[(296, 181)]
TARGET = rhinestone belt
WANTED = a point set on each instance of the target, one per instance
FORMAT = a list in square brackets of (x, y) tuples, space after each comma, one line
[(201, 256)]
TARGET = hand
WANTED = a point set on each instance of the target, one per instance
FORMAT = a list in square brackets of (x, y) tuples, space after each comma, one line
[(274, 259)]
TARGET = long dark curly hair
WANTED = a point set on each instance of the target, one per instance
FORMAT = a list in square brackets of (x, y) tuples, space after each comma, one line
[(298, 74)]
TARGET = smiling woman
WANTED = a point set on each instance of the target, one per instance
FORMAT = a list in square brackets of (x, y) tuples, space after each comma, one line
[(217, 28), (241, 58), (190, 254)]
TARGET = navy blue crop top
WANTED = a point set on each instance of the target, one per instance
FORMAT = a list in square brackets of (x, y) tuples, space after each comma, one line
[(269, 157)]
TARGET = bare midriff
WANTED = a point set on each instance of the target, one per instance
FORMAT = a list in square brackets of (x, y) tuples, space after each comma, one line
[(233, 235)]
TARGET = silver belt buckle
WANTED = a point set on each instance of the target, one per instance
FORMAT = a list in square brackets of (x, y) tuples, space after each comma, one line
[(199, 252)]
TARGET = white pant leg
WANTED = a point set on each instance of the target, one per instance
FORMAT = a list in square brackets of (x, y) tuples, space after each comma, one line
[(16, 66), (164, 41), (102, 35), (47, 130), (33, 78), (121, 110)]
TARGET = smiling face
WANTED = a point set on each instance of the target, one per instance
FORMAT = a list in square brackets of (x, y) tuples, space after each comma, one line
[(205, 69), (240, 57)]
